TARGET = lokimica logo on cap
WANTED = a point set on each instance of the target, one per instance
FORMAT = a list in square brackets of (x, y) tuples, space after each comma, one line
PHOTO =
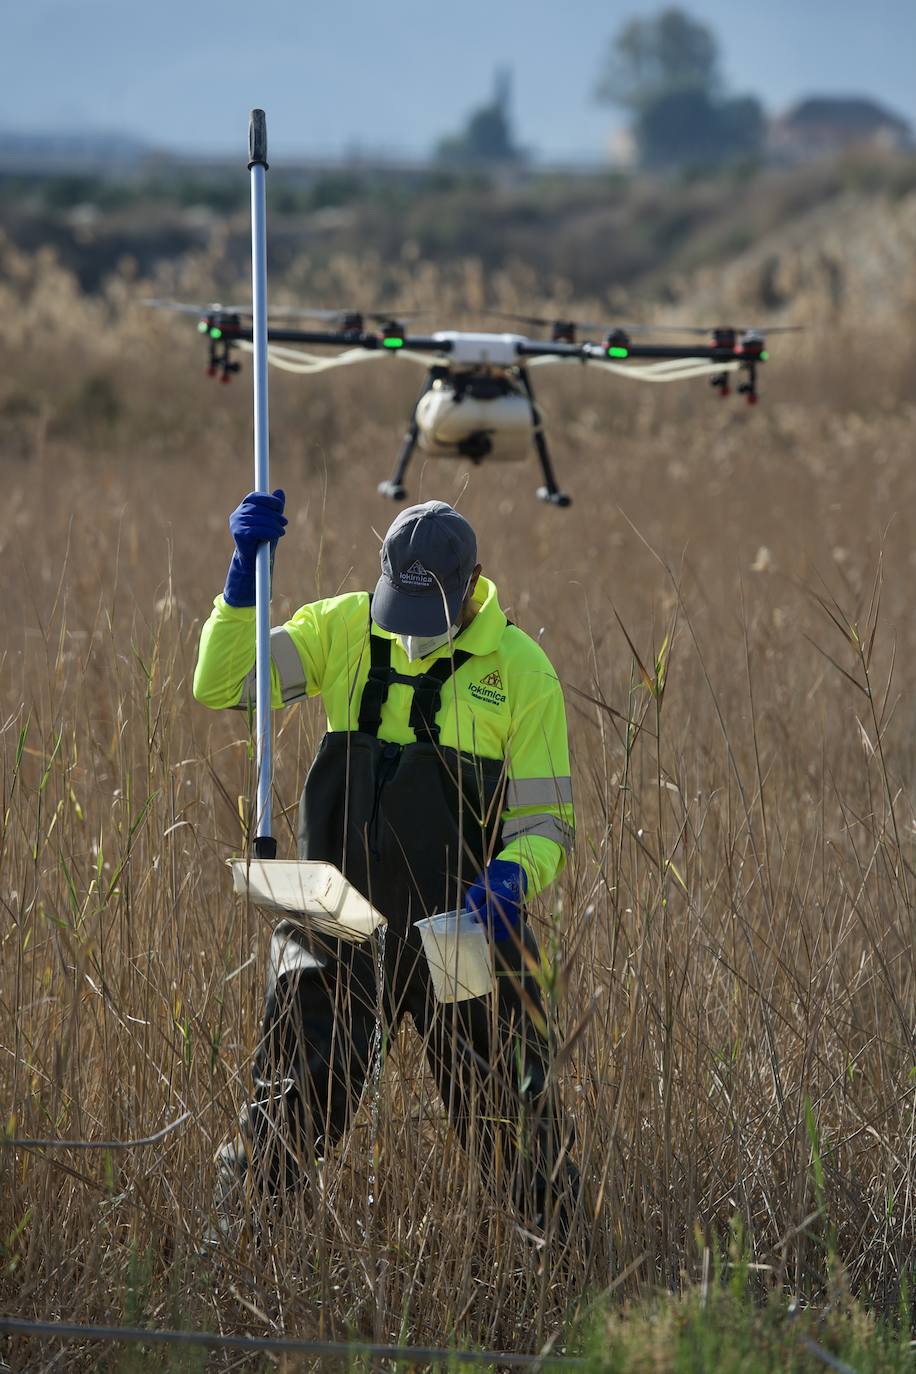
[(416, 576)]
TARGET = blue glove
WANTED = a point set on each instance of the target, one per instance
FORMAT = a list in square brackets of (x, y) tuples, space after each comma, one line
[(258, 520), (500, 908)]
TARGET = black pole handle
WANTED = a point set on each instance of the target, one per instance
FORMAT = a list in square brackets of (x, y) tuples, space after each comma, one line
[(257, 140)]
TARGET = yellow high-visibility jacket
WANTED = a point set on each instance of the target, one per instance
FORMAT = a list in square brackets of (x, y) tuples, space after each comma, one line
[(503, 703)]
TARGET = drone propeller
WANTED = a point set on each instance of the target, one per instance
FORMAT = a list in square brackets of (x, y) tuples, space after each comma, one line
[(706, 332), (188, 308), (304, 313), (342, 316), (539, 321), (564, 328), (384, 316), (291, 312), (351, 318), (559, 322)]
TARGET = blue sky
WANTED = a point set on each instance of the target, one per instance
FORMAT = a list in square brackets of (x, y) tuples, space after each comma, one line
[(337, 74)]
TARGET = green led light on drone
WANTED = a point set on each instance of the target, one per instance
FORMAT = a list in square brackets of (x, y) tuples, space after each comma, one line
[(392, 343), (216, 333), (764, 356), (616, 351)]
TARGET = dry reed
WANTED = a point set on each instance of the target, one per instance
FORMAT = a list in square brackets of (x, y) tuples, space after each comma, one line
[(732, 947)]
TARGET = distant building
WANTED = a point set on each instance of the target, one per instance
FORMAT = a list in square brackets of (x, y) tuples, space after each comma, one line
[(822, 125)]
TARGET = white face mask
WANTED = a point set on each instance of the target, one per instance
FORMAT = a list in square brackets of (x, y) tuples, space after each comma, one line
[(417, 646)]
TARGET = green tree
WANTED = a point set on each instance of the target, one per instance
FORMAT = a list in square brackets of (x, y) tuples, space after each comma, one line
[(651, 58), (665, 71), (487, 135), (743, 117), (689, 128)]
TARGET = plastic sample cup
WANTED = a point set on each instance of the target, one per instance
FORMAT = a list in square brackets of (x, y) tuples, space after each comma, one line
[(458, 953)]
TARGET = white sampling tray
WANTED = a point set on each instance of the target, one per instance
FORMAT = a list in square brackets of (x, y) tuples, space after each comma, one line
[(317, 893)]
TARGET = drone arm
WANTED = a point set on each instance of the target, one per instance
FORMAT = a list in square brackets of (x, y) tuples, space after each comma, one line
[(601, 353), (242, 332), (598, 353), (560, 351)]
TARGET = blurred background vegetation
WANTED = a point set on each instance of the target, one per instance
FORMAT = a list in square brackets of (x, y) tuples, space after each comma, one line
[(696, 176)]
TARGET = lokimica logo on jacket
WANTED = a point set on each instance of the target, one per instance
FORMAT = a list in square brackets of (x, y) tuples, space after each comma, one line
[(489, 689)]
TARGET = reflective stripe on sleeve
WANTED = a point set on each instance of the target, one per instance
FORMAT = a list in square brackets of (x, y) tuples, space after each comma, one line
[(288, 954), (289, 665), (551, 827), (246, 696), (286, 660), (539, 792)]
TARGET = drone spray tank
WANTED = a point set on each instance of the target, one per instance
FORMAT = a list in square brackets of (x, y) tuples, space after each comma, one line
[(475, 417)]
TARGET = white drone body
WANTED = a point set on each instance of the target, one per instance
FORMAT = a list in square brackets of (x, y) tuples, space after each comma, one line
[(480, 350)]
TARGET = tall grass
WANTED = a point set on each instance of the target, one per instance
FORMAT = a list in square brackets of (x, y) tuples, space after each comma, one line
[(731, 948)]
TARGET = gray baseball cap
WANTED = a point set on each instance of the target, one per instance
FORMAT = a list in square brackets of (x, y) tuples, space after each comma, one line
[(428, 556)]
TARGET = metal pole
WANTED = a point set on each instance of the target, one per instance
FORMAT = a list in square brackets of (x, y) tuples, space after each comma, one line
[(265, 845)]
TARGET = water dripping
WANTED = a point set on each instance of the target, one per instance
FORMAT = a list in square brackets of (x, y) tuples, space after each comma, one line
[(375, 1079)]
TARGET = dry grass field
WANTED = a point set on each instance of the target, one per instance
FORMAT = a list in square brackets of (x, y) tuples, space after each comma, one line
[(732, 958)]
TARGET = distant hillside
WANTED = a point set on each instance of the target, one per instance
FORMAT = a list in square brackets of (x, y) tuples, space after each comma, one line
[(850, 257), (61, 150), (842, 228)]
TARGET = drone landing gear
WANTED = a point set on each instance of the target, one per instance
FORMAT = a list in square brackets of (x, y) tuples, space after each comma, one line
[(392, 491), (553, 498), (549, 492), (748, 388), (394, 488), (220, 363)]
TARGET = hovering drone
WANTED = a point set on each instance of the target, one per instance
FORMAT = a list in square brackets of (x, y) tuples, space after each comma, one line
[(477, 401)]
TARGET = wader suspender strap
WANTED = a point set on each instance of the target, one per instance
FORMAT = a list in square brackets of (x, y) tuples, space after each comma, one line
[(377, 684), (427, 694), (427, 690)]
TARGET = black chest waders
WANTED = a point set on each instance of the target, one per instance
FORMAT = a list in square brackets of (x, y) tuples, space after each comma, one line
[(411, 826)]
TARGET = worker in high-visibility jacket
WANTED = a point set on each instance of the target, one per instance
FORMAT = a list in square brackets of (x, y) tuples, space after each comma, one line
[(442, 782)]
